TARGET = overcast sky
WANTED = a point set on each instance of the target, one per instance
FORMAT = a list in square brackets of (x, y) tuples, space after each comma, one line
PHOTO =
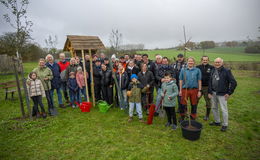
[(155, 23)]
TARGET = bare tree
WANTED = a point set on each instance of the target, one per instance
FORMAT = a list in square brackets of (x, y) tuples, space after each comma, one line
[(17, 19), (115, 39), (51, 43)]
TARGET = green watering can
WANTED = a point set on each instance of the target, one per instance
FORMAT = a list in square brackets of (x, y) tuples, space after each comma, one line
[(103, 106)]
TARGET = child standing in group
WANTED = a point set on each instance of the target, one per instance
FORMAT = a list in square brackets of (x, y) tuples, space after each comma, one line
[(36, 92), (81, 83), (169, 92), (73, 89), (134, 92)]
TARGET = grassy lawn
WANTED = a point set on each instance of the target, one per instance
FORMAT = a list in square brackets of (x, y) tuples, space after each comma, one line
[(95, 135), (228, 54)]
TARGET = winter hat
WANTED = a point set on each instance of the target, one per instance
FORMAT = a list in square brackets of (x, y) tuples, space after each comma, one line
[(180, 55), (79, 69), (134, 76), (113, 56)]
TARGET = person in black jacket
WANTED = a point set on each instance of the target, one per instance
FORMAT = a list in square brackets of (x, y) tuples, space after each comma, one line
[(147, 79), (97, 79), (87, 66), (162, 69), (205, 69), (221, 85), (150, 64), (177, 66), (123, 81), (107, 82), (131, 69)]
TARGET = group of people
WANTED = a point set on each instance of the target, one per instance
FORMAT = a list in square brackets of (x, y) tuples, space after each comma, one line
[(135, 78)]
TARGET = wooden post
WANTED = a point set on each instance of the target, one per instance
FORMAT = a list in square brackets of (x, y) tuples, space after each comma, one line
[(18, 87), (25, 87), (85, 74), (92, 78)]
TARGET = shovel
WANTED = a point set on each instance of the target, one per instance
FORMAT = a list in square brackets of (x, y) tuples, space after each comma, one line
[(162, 111)]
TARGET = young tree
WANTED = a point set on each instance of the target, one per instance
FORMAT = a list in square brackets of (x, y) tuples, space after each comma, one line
[(17, 19), (115, 39), (51, 43)]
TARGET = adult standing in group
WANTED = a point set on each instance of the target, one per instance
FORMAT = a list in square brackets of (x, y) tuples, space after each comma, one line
[(190, 84), (123, 82), (146, 78), (177, 66), (78, 61), (122, 61), (56, 80), (102, 57), (97, 79), (221, 85), (205, 69), (150, 67), (131, 69), (150, 64), (158, 61), (87, 67), (63, 66), (72, 67), (127, 58), (45, 75), (138, 60), (107, 82), (160, 72)]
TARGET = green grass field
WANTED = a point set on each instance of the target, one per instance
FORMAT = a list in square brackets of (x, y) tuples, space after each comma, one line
[(95, 135), (228, 54)]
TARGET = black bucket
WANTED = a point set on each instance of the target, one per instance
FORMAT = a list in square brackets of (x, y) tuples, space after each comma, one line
[(191, 134)]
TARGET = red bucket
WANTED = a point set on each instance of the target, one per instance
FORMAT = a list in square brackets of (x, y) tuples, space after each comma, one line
[(85, 106), (151, 113)]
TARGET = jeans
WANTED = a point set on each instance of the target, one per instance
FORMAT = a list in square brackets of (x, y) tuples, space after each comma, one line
[(58, 93), (73, 97), (215, 100), (82, 91), (138, 109), (158, 100), (37, 100)]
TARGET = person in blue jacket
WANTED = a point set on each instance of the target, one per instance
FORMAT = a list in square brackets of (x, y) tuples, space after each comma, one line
[(73, 89), (56, 81)]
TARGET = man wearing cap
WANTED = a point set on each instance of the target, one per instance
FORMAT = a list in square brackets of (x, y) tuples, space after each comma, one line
[(97, 78), (205, 69), (190, 84), (179, 64), (221, 85)]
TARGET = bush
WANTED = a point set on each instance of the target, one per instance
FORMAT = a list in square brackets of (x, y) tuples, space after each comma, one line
[(253, 47)]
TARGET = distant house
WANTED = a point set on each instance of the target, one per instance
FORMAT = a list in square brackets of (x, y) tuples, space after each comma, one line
[(75, 44)]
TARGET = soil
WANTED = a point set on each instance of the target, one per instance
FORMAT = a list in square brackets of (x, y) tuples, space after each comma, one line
[(190, 127)]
